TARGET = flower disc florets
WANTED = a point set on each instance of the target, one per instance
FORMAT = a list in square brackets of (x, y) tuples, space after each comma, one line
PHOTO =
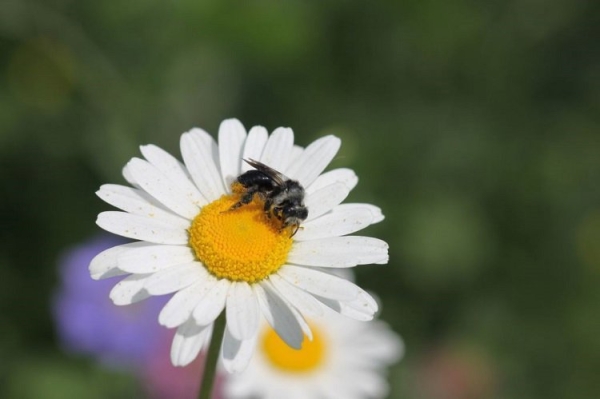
[(243, 244)]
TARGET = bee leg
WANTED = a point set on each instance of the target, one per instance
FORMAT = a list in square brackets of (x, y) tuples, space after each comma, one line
[(278, 212), (267, 207), (245, 200)]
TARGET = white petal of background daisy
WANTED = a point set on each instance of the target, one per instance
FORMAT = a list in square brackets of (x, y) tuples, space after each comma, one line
[(240, 260), (346, 359)]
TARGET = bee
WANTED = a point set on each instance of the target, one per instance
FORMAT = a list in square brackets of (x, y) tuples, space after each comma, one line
[(283, 197)]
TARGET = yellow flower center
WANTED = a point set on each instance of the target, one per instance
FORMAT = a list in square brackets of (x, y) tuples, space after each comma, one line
[(286, 358), (242, 244)]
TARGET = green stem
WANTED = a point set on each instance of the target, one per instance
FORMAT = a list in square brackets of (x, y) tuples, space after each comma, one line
[(212, 358)]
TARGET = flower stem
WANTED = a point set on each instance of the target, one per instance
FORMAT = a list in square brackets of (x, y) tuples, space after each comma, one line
[(212, 358)]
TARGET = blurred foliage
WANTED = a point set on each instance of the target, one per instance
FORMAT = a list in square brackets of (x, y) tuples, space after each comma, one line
[(474, 125), (55, 378)]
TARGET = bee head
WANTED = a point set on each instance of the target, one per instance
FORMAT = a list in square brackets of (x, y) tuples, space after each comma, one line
[(295, 212), (293, 216)]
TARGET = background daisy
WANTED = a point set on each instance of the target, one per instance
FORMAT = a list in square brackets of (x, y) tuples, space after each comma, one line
[(346, 359)]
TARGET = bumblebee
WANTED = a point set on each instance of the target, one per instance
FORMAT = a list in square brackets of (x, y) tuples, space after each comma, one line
[(283, 197)]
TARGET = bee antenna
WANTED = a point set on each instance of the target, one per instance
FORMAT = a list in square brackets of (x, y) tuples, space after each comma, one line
[(297, 227)]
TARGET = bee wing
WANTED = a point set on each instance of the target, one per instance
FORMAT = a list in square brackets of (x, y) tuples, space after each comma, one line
[(278, 177)]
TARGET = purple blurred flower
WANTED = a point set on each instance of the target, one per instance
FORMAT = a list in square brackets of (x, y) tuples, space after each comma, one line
[(88, 322)]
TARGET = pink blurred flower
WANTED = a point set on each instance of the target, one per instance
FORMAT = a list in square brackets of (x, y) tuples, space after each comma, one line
[(164, 381), (455, 372)]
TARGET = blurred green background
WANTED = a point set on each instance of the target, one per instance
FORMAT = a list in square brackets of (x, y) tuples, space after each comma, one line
[(475, 125)]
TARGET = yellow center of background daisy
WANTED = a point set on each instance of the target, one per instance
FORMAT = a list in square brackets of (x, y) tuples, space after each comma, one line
[(243, 244), (286, 358)]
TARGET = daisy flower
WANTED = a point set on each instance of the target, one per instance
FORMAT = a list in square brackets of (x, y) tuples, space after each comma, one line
[(346, 359), (240, 261)]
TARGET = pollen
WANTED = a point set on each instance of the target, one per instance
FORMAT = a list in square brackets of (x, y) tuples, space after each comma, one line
[(285, 358), (242, 244)]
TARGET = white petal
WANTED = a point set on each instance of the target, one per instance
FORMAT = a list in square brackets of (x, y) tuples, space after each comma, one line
[(279, 390), (295, 153), (152, 258), (300, 299), (319, 283), (255, 143), (356, 313), (141, 228), (345, 273), (279, 315), (241, 386), (329, 390), (314, 159), (105, 264), (381, 344), (174, 278), (140, 203), (236, 354), (362, 308), (174, 170), (180, 306), (199, 152), (232, 135), (242, 311), (130, 290), (342, 175), (364, 303), (188, 341), (339, 252), (303, 324), (299, 318), (325, 199), (276, 153), (155, 183), (337, 223), (128, 177), (372, 385), (212, 304), (375, 210)]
